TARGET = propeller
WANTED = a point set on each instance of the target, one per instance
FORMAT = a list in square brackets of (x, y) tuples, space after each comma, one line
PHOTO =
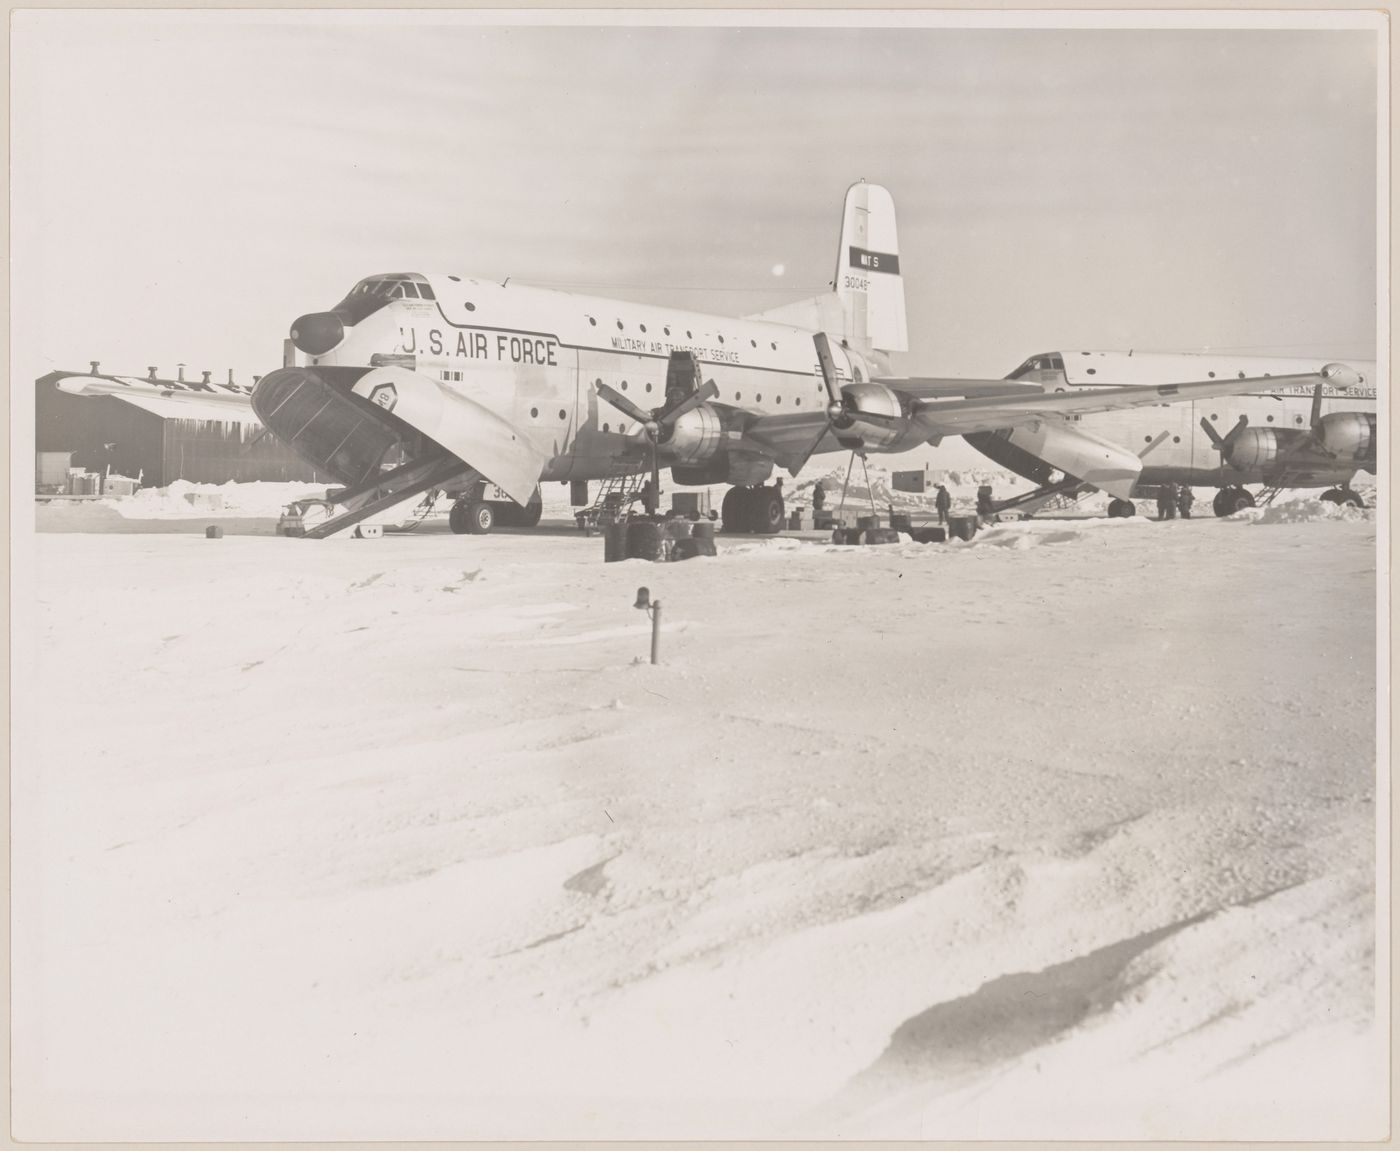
[(1223, 444), (840, 412), (659, 419)]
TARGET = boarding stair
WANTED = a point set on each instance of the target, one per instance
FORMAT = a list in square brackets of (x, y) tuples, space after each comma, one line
[(1064, 494), (616, 495), (388, 490)]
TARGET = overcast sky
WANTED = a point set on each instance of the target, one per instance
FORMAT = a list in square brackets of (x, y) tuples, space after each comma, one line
[(186, 184)]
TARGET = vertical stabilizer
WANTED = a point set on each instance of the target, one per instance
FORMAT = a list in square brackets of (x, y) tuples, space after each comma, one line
[(868, 279)]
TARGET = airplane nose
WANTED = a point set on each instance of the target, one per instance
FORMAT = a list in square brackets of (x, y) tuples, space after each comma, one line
[(318, 332)]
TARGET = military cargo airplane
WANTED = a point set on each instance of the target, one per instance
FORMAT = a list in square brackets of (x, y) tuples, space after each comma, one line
[(434, 381), (1278, 433)]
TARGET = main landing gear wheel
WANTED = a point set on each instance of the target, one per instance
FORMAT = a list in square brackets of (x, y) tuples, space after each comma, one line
[(731, 511), (1121, 509), (1228, 501), (1343, 496), (474, 518), (765, 511), (514, 516)]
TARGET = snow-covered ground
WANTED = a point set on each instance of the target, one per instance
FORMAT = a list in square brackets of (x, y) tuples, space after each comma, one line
[(1069, 831)]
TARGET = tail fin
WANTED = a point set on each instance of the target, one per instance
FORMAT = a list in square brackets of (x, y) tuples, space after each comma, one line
[(868, 282)]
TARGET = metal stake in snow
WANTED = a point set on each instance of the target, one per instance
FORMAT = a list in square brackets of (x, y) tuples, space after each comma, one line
[(644, 601)]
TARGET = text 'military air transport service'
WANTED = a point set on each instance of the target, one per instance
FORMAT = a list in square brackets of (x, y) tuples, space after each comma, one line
[(416, 381)]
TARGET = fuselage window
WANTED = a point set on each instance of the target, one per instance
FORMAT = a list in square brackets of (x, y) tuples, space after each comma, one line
[(426, 291), (1297, 419), (721, 339), (753, 343), (1269, 418), (642, 326), (777, 399), (1212, 376), (1241, 375), (758, 399), (1092, 371), (619, 325), (624, 385), (1176, 439), (667, 329), (774, 346), (469, 306), (648, 387), (562, 414), (605, 427), (688, 336), (534, 413), (592, 323)]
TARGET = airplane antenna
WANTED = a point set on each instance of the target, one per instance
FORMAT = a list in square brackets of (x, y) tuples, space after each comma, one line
[(505, 281)]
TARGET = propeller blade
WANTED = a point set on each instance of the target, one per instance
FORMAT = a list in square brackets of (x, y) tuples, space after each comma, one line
[(1316, 417), (1212, 434), (694, 400), (623, 404), (1236, 431), (828, 368)]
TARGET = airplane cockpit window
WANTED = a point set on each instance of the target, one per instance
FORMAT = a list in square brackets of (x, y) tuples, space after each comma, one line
[(371, 294), (1042, 363)]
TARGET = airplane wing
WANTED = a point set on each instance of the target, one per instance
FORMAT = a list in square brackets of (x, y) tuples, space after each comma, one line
[(83, 385), (985, 414), (939, 387)]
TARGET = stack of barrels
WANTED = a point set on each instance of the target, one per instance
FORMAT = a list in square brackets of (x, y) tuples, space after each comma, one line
[(658, 540)]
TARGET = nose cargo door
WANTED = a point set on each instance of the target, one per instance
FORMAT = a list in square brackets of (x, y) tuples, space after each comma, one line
[(323, 424)]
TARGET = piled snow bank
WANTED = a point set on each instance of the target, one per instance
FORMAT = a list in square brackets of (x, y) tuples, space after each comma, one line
[(183, 498), (1305, 510)]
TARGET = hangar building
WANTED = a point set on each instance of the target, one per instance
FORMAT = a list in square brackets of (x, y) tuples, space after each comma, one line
[(160, 430)]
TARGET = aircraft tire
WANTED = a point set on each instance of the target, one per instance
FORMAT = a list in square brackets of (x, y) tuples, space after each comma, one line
[(457, 518), (480, 517), (1331, 496), (529, 515), (1353, 498), (1232, 500), (765, 511), (1121, 509), (733, 511)]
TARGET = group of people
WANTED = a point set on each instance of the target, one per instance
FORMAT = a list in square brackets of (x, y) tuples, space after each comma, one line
[(1174, 499)]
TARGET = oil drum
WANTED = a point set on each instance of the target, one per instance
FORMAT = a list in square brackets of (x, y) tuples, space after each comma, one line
[(615, 541), (644, 539)]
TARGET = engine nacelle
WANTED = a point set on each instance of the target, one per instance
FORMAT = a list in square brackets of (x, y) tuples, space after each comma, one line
[(1254, 448), (743, 468), (694, 436), (1349, 436), (878, 400)]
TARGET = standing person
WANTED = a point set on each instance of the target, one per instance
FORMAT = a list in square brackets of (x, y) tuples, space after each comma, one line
[(818, 497), (942, 501), (1184, 499), (984, 502), (1169, 496)]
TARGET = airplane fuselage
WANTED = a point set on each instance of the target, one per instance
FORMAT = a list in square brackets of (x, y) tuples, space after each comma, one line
[(1174, 446), (536, 356)]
